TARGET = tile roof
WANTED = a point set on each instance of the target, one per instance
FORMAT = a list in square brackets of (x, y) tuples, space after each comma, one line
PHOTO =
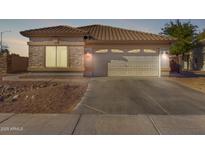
[(61, 30), (97, 32), (108, 33)]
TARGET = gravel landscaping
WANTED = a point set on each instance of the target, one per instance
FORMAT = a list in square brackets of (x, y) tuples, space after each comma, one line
[(40, 96), (197, 83)]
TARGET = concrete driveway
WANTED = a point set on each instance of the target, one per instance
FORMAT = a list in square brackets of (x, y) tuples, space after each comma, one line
[(156, 96)]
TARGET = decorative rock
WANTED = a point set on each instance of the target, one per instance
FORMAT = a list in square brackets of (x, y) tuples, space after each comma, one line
[(32, 97), (6, 87), (54, 84), (26, 97), (15, 98), (43, 85), (8, 95), (1, 98), (11, 89)]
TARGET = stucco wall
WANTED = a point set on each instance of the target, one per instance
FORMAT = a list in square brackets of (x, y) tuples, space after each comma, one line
[(69, 39), (99, 64)]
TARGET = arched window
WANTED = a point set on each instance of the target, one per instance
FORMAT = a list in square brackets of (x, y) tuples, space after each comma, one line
[(117, 51), (101, 51), (134, 51), (150, 51)]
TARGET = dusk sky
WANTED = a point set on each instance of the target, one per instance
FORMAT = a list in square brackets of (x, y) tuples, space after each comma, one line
[(18, 44)]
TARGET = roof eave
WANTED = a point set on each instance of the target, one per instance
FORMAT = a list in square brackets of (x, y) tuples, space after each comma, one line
[(128, 41), (52, 34)]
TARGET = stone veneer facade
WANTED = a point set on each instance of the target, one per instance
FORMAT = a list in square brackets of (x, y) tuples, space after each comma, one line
[(75, 49)]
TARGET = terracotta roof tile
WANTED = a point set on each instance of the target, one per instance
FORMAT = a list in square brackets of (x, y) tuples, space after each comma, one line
[(53, 31), (103, 32), (97, 32)]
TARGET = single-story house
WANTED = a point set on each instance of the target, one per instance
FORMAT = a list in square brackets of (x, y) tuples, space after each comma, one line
[(98, 50)]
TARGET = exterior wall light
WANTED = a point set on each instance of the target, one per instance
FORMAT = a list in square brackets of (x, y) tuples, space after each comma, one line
[(88, 56), (88, 64), (165, 55)]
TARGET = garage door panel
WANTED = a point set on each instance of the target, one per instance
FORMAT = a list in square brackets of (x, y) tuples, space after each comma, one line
[(135, 66)]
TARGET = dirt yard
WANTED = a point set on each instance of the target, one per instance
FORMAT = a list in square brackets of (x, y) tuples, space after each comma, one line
[(40, 96), (1, 77), (197, 83)]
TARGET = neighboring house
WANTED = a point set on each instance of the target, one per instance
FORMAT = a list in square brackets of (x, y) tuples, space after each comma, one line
[(98, 50), (195, 59), (198, 57)]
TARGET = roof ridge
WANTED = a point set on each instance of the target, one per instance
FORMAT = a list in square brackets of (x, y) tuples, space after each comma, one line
[(73, 27), (80, 30), (120, 28)]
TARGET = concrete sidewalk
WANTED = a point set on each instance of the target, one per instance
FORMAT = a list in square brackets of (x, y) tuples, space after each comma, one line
[(101, 124)]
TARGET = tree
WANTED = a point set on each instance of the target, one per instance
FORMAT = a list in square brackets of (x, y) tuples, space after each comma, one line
[(185, 33), (5, 49), (201, 36)]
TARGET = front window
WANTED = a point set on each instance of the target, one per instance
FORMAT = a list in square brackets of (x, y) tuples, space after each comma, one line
[(56, 56)]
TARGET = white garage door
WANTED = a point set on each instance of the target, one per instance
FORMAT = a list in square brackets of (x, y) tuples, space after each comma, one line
[(134, 66)]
